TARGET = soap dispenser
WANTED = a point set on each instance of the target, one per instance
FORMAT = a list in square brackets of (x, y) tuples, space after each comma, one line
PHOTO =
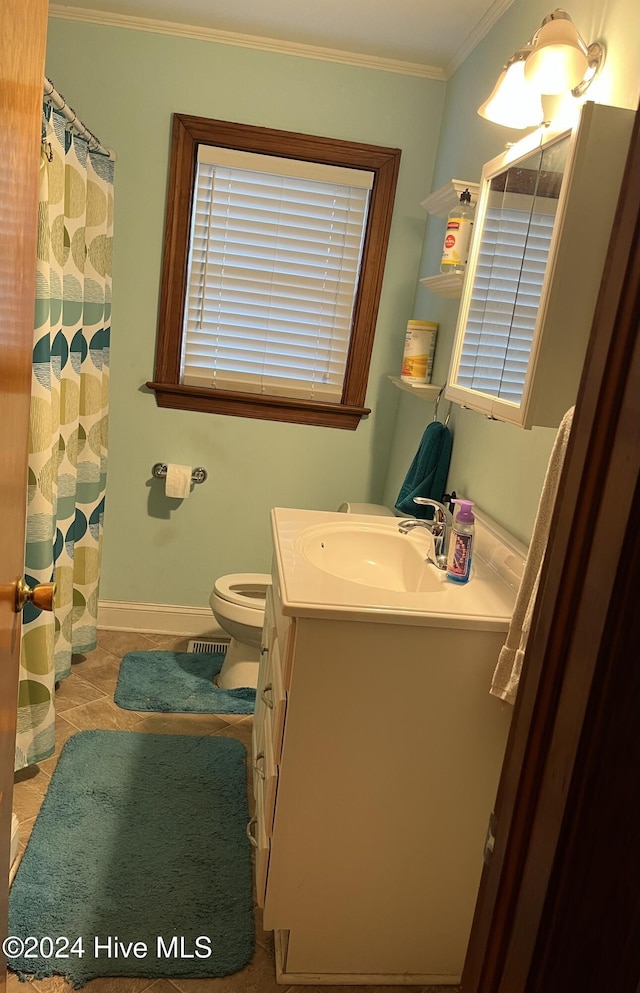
[(455, 249), (461, 543)]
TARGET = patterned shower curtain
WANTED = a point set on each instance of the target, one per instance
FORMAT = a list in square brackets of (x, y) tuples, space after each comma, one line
[(68, 435)]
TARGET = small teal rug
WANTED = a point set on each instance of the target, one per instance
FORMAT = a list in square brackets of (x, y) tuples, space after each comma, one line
[(139, 862), (178, 683)]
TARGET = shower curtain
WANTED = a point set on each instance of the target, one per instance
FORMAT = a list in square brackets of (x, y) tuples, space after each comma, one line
[(68, 433)]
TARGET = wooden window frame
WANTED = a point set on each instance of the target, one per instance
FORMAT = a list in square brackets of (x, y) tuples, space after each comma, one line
[(189, 132)]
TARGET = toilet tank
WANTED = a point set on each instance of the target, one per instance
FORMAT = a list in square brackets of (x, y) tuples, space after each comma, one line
[(374, 509)]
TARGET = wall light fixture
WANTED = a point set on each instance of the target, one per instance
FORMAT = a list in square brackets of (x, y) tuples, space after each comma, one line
[(513, 102), (555, 61)]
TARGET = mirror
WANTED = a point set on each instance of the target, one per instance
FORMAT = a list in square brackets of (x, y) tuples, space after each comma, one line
[(544, 216), (518, 211)]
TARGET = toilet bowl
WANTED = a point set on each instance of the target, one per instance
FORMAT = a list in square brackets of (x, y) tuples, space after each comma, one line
[(238, 602)]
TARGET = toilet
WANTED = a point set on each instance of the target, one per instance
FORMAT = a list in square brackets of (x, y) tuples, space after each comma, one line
[(238, 602)]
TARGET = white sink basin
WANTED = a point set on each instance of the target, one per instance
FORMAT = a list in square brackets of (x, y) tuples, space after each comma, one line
[(356, 567), (375, 555)]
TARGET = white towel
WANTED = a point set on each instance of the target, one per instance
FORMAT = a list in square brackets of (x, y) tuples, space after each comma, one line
[(507, 672)]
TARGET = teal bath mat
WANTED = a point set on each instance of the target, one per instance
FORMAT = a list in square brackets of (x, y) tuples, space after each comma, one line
[(139, 862), (178, 683)]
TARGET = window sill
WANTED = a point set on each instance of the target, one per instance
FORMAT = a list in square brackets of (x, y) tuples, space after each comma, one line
[(269, 408)]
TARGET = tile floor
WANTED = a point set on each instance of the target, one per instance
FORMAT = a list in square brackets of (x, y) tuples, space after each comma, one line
[(84, 701)]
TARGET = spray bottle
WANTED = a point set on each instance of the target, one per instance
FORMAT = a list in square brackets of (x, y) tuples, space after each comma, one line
[(461, 543)]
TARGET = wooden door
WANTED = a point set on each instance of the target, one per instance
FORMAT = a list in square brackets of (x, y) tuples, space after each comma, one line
[(22, 46)]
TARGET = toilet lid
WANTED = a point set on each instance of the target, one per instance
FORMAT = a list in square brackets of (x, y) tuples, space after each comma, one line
[(247, 589)]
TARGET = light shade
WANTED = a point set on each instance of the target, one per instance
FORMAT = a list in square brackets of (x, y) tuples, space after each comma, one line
[(513, 103), (559, 60)]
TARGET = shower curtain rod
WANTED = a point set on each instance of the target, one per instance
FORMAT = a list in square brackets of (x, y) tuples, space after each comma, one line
[(56, 99)]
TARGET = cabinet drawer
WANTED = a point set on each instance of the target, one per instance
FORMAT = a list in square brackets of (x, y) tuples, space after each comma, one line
[(259, 840), (286, 639), (273, 697), (268, 639), (266, 771), (269, 631), (284, 630), (257, 747)]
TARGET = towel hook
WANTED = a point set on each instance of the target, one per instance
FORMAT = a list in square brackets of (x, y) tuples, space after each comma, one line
[(437, 402)]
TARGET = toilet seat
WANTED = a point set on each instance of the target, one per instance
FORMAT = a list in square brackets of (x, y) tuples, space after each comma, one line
[(238, 602), (244, 589)]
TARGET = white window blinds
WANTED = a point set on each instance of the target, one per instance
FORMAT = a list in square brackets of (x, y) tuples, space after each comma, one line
[(273, 271), (504, 305)]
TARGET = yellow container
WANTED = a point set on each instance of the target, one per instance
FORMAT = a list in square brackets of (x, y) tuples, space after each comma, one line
[(419, 349)]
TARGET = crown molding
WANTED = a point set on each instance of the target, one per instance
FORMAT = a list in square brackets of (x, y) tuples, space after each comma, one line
[(482, 28), (275, 45)]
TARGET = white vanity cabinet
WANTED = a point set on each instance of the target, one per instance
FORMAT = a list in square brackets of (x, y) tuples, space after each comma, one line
[(377, 751), (540, 240)]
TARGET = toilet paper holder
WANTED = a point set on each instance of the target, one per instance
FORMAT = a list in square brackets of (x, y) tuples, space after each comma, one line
[(198, 475)]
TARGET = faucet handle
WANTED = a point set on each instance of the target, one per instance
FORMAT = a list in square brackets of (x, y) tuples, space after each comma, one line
[(442, 515)]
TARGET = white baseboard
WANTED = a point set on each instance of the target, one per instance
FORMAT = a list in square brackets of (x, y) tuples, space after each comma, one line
[(158, 618)]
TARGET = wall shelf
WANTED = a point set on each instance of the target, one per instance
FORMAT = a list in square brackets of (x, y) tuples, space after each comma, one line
[(440, 203), (426, 391), (445, 284), (444, 199)]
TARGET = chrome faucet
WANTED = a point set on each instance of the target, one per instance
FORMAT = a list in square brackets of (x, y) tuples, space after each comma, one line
[(440, 528)]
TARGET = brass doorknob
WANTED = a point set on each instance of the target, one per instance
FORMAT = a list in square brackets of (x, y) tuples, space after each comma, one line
[(41, 596)]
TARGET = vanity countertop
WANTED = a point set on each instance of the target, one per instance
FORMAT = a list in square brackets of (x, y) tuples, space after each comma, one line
[(306, 590)]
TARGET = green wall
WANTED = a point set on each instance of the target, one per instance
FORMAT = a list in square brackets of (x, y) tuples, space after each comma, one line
[(126, 84), (498, 465)]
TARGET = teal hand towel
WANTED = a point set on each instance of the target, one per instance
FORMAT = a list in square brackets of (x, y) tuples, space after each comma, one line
[(427, 476)]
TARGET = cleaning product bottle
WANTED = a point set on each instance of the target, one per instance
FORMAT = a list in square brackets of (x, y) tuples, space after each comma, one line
[(461, 543), (458, 235)]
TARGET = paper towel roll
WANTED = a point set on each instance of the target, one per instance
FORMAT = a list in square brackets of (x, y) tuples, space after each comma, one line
[(178, 481)]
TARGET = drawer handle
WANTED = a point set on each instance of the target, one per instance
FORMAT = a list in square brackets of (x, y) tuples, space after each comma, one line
[(258, 768), (250, 835), (267, 700)]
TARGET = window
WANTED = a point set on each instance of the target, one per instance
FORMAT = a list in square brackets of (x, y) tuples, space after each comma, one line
[(273, 261), (272, 274)]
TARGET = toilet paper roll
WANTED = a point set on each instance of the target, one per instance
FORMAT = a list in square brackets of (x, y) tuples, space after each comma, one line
[(178, 481)]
